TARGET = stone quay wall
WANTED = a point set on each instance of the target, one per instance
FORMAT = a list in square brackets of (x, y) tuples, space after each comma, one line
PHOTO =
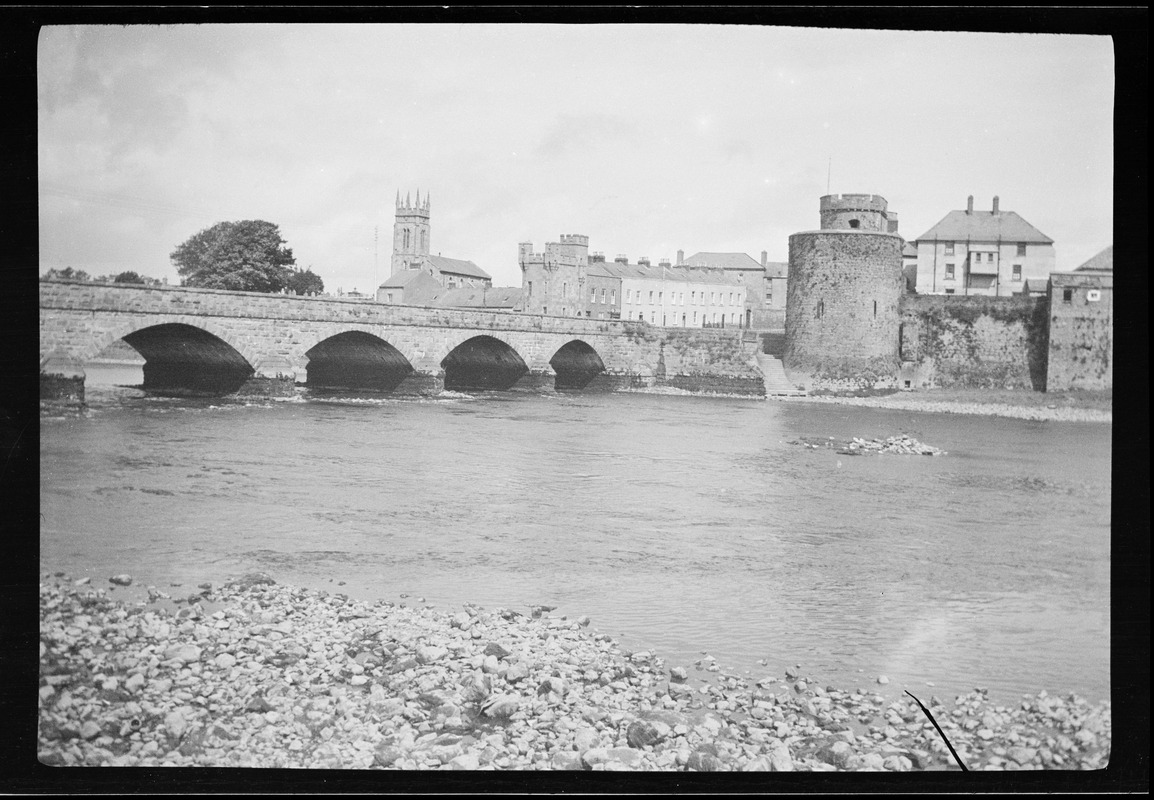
[(973, 342), (273, 333)]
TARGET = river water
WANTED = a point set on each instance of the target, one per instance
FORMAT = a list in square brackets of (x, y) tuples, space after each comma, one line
[(684, 525)]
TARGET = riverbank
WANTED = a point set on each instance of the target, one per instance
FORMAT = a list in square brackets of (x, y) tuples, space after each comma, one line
[(1018, 404), (257, 674)]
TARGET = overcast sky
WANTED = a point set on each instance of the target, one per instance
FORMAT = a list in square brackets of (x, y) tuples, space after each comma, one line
[(646, 138)]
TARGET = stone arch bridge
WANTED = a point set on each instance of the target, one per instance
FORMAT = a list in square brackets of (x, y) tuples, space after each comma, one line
[(215, 342)]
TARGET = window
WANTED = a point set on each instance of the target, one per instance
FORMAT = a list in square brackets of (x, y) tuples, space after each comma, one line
[(693, 301), (875, 308), (855, 223), (651, 297), (1067, 295), (1017, 272), (613, 297), (389, 297), (949, 248), (659, 296), (602, 295), (530, 287), (694, 317), (820, 309), (949, 272), (949, 291), (653, 316), (592, 295), (1021, 248), (564, 291)]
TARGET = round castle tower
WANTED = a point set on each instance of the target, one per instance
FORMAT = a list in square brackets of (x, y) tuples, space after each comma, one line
[(845, 283)]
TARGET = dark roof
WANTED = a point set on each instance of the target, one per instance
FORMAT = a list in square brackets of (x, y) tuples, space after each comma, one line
[(455, 266), (984, 226), (776, 269), (615, 269), (401, 279), (472, 297), (721, 261), (909, 250), (1104, 261), (1089, 278)]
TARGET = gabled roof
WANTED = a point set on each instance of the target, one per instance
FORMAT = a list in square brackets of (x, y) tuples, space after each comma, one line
[(984, 226), (721, 261), (909, 250), (455, 266), (1104, 261), (472, 297), (401, 279)]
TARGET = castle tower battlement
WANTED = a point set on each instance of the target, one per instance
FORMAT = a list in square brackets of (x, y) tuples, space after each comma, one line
[(867, 212)]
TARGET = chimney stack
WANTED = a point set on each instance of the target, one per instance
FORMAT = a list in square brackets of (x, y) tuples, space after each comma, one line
[(680, 256), (970, 204), (764, 256), (995, 211)]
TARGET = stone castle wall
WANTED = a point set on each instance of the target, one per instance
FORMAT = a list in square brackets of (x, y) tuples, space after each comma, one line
[(973, 342), (1080, 351)]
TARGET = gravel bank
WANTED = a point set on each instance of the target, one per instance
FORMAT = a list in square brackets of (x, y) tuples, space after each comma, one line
[(908, 401), (255, 674)]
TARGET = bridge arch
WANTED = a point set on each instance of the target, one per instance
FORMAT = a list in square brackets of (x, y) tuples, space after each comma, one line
[(124, 327), (358, 360), (576, 363), (182, 359), (482, 363)]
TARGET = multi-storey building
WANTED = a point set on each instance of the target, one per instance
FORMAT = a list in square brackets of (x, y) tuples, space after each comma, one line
[(982, 252), (565, 280), (677, 297)]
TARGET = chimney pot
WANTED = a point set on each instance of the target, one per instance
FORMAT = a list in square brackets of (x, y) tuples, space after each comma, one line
[(970, 205), (995, 211)]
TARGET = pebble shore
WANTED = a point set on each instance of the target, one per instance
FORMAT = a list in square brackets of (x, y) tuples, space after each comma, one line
[(258, 674), (907, 401)]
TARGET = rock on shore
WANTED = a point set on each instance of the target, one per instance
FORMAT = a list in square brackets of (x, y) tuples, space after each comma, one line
[(272, 676)]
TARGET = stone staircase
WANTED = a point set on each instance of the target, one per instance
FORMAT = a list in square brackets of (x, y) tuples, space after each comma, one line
[(777, 383)]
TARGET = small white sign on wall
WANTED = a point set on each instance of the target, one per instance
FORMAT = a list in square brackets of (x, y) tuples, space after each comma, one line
[(1093, 295)]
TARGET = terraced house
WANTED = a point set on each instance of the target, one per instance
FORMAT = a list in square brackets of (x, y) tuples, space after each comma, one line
[(982, 252)]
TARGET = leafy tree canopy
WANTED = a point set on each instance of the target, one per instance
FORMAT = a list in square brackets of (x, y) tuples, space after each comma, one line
[(306, 282), (247, 256), (67, 274), (131, 277)]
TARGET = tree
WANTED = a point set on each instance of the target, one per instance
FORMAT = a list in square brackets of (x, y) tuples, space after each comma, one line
[(67, 274), (247, 256), (307, 282), (129, 276)]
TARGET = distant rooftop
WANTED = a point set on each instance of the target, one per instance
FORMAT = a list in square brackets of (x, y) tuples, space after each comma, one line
[(455, 266), (984, 226), (1104, 261), (722, 261), (615, 269)]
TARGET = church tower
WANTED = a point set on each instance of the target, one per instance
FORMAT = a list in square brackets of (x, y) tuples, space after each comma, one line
[(410, 233)]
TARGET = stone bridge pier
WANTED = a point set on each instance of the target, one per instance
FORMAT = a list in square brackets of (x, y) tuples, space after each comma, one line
[(215, 343)]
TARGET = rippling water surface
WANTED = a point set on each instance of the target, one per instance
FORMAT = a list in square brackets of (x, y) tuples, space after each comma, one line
[(680, 524)]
